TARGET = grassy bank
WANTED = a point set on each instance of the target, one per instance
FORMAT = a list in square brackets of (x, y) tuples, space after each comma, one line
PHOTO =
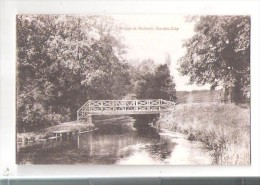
[(224, 128), (47, 132)]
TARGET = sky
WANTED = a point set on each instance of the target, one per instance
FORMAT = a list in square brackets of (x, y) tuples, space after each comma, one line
[(155, 36)]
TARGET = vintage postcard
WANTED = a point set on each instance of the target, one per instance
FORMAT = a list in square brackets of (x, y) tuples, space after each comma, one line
[(133, 89)]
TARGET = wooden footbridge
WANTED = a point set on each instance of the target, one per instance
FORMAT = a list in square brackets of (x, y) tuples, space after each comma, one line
[(120, 107)]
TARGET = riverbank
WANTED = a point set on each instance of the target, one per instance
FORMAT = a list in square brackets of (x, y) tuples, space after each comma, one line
[(73, 126), (223, 128), (43, 134)]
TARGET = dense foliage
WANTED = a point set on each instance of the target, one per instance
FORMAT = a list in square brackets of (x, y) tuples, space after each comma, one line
[(153, 81), (219, 53), (63, 61)]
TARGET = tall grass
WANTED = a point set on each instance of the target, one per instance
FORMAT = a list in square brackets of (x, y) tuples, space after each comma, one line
[(224, 128)]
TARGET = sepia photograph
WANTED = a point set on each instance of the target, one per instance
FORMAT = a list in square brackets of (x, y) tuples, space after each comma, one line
[(133, 89)]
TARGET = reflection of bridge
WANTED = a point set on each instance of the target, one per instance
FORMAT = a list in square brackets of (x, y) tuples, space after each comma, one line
[(119, 107)]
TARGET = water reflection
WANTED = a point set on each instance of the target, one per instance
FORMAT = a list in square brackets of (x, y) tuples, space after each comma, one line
[(161, 150), (110, 144), (101, 143)]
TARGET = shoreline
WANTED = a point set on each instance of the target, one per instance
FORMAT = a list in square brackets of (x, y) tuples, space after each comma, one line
[(72, 127), (46, 133)]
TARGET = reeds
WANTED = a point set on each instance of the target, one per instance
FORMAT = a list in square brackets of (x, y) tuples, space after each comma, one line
[(223, 128)]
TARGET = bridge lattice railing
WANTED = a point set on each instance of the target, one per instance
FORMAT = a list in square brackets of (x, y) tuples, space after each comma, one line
[(94, 106)]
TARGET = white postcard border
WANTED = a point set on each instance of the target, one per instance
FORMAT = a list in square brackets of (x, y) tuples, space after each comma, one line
[(9, 9)]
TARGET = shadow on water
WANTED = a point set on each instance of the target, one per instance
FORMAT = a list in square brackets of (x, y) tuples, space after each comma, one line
[(158, 148), (107, 145), (143, 121)]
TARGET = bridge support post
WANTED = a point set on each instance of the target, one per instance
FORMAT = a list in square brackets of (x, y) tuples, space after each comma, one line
[(89, 119)]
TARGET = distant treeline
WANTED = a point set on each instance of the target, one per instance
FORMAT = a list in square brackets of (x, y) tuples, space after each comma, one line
[(201, 96), (198, 96)]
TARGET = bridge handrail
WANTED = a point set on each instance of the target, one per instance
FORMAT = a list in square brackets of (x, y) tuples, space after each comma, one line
[(146, 103)]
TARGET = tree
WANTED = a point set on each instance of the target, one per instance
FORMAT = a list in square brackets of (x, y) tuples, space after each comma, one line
[(156, 83), (219, 53), (63, 61)]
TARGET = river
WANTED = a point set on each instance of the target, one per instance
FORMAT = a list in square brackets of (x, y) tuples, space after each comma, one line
[(118, 143)]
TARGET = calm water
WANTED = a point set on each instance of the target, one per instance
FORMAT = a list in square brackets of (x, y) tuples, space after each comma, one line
[(118, 143)]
